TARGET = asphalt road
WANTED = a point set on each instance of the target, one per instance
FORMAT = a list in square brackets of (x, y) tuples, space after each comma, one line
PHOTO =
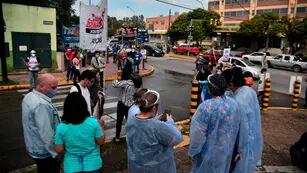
[(172, 79)]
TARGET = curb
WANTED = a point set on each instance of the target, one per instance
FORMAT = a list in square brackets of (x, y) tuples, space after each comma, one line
[(62, 81)]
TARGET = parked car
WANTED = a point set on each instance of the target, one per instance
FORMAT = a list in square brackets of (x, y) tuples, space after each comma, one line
[(256, 56), (288, 61), (153, 51), (242, 63), (185, 49)]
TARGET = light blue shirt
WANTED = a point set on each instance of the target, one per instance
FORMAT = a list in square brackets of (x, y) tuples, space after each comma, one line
[(250, 134), (150, 145), (133, 110), (213, 134), (39, 120), (81, 151)]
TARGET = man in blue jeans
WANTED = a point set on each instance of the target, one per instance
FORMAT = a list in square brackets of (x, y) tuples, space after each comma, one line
[(39, 120)]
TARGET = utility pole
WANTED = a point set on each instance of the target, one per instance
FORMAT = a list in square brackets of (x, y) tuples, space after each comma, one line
[(169, 19), (2, 47), (190, 29), (201, 3)]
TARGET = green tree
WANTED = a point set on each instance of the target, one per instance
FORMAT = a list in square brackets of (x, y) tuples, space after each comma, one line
[(134, 21), (263, 25), (200, 21)]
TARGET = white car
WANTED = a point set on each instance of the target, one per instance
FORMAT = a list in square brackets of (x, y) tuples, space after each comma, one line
[(242, 63), (256, 56)]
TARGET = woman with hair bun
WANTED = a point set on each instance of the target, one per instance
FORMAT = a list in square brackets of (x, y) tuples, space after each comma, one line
[(150, 141)]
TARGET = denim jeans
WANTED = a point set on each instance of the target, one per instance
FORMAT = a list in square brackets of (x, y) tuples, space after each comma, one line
[(33, 78)]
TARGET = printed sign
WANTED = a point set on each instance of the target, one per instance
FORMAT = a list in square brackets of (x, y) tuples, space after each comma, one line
[(261, 81), (23, 48), (226, 54), (70, 36), (93, 26)]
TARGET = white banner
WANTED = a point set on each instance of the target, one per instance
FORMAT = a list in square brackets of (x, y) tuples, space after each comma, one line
[(94, 26), (226, 54), (292, 81), (262, 80)]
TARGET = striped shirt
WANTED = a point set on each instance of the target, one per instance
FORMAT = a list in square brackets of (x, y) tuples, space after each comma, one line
[(127, 91)]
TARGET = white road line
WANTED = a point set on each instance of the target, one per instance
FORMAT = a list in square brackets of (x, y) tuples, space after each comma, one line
[(110, 98), (106, 105), (59, 88), (110, 105)]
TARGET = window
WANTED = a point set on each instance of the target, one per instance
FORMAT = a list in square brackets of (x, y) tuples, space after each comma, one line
[(162, 22), (213, 3), (283, 10), (287, 58), (237, 13), (157, 22), (301, 9), (236, 1), (237, 62), (278, 57), (275, 10)]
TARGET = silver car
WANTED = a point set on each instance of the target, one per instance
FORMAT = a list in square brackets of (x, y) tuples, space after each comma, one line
[(288, 61)]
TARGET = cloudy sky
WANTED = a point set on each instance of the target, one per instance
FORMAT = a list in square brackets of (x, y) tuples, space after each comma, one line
[(149, 8)]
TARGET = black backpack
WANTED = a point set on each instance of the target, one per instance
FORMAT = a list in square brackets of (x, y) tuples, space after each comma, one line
[(78, 88), (298, 153)]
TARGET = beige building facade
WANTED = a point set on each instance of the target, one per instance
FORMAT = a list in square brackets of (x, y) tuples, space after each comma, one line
[(233, 12)]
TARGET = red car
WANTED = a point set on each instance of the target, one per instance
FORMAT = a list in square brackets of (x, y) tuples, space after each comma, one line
[(185, 49)]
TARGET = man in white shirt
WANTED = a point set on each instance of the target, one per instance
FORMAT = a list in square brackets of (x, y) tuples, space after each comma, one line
[(87, 79)]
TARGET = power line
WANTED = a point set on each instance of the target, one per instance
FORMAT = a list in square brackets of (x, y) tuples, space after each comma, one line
[(169, 3)]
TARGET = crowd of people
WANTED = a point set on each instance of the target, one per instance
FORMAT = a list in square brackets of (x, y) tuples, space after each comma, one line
[(225, 133)]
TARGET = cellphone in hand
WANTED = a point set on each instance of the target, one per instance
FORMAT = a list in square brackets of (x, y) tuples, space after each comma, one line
[(164, 115)]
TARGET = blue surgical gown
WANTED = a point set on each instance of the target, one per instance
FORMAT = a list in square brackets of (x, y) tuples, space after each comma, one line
[(213, 134), (150, 145), (133, 110), (250, 141)]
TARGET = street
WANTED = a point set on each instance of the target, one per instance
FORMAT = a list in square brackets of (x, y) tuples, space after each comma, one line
[(172, 79)]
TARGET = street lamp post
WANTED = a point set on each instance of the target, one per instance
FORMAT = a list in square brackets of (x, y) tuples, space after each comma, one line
[(190, 29)]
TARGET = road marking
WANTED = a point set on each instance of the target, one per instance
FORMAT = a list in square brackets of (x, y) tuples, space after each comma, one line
[(60, 87), (110, 105)]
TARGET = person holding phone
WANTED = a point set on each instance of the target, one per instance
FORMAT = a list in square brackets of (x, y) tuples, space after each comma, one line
[(151, 141)]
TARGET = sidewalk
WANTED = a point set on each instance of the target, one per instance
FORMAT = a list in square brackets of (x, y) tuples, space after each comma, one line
[(110, 74)]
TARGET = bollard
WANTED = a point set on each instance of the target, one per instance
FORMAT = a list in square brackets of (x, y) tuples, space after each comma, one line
[(296, 94), (194, 97), (266, 94)]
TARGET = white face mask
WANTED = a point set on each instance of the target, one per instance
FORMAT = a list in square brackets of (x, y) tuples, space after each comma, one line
[(32, 54)]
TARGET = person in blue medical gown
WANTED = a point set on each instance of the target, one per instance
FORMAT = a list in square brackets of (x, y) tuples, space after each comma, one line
[(250, 140), (214, 130), (151, 141)]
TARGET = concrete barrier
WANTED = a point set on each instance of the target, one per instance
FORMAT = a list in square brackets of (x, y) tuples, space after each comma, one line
[(194, 97), (266, 94)]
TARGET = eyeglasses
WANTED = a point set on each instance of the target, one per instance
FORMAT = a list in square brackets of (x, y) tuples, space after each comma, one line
[(155, 93)]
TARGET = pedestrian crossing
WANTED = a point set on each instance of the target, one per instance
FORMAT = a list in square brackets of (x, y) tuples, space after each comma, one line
[(110, 108)]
